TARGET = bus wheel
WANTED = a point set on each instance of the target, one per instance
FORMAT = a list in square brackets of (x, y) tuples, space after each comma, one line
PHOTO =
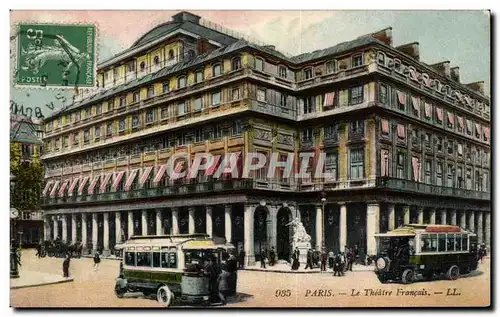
[(164, 296), (407, 277), (453, 273), (382, 279), (119, 291)]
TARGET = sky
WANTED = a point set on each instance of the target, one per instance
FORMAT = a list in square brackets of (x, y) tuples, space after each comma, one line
[(461, 37)]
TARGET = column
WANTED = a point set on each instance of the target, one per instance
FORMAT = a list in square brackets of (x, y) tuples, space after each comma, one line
[(130, 224), (443, 216), (248, 227), (105, 233), (453, 215), (392, 216), (209, 222), (191, 220), (94, 231), (175, 220), (372, 227), (84, 230), (487, 229), (73, 228), (343, 226), (480, 227), (227, 222), (271, 227), (471, 222), (159, 223), (144, 223), (406, 214), (118, 227), (319, 227), (64, 221), (463, 219), (56, 229), (46, 228), (420, 214), (432, 217)]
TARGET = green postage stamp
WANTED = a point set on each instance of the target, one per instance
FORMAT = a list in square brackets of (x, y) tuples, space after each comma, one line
[(56, 55)]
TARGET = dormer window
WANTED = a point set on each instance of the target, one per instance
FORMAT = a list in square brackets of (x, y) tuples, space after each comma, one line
[(131, 66), (236, 63), (357, 60), (308, 73), (331, 67), (259, 64), (199, 76), (381, 58), (171, 55), (136, 97), (121, 125), (282, 72), (135, 121), (156, 60), (116, 72), (216, 70), (181, 82), (151, 92), (142, 66)]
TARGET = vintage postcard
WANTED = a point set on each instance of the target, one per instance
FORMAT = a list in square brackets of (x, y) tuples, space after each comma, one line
[(250, 159)]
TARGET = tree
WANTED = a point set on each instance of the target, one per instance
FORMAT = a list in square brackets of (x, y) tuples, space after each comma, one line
[(26, 193)]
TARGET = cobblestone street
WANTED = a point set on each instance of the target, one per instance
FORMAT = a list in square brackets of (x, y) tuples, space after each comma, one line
[(257, 289)]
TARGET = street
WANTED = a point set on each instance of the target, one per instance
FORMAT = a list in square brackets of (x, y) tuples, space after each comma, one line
[(257, 289)]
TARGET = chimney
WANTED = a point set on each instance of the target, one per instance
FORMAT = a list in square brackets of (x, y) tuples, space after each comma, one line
[(455, 74), (185, 16), (443, 68), (410, 49), (477, 86), (203, 46), (384, 35)]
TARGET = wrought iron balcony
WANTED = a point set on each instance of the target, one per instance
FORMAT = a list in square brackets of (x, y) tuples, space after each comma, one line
[(404, 185)]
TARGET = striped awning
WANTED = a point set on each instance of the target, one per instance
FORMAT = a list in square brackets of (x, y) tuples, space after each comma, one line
[(159, 174), (46, 189), (63, 188), (54, 189), (82, 185), (117, 180), (104, 182), (130, 179), (145, 174), (92, 184), (73, 185)]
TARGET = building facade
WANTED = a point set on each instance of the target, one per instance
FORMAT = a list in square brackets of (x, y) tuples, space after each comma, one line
[(26, 178), (405, 141)]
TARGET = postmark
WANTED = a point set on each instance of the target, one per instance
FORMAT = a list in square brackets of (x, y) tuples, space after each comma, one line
[(56, 55)]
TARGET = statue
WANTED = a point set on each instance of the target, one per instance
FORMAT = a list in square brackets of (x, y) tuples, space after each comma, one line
[(299, 232)]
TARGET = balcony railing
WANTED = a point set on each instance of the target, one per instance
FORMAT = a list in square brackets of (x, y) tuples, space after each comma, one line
[(161, 191), (405, 185)]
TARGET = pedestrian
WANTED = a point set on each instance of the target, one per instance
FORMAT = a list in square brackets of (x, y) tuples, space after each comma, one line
[(66, 265), (210, 271), (323, 260), (241, 259), (263, 258), (342, 263), (350, 260), (295, 259), (97, 260), (39, 250), (336, 265), (272, 255), (309, 261), (223, 285), (331, 259)]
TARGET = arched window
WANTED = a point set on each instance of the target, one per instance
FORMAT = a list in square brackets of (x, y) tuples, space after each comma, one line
[(142, 66), (236, 63), (170, 54), (156, 60)]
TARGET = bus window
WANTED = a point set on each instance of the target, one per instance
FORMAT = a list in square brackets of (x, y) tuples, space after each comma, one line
[(425, 243), (143, 259), (164, 259), (434, 242), (450, 242), (464, 243), (441, 242), (458, 242), (173, 260), (156, 259), (130, 258)]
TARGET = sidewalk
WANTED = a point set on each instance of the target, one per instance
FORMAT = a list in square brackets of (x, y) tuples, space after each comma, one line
[(32, 279), (286, 268)]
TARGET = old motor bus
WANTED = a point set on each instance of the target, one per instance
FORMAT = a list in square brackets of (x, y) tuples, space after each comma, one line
[(427, 250), (170, 267)]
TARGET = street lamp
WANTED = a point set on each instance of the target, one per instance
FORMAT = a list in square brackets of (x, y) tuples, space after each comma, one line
[(386, 164), (323, 202), (14, 256)]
